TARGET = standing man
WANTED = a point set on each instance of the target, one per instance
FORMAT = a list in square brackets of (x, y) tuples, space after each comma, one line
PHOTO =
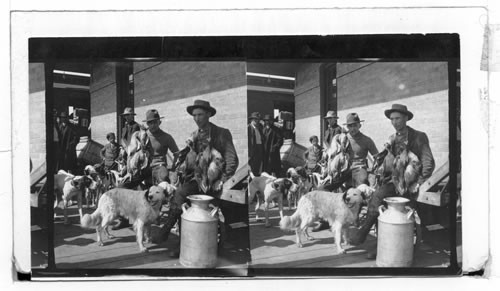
[(207, 134), (418, 143), (129, 128), (255, 144), (333, 128), (68, 139), (273, 140)]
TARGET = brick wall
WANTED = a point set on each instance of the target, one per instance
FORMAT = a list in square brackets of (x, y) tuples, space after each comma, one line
[(37, 113), (103, 101), (171, 87), (369, 90), (423, 87), (307, 103)]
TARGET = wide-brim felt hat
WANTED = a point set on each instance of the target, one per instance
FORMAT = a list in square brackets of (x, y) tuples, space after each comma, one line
[(152, 114), (352, 118), (398, 108), (128, 111), (201, 104), (63, 114), (331, 114), (255, 115)]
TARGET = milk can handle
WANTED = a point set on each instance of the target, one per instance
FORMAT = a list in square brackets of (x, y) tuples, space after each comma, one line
[(410, 212), (381, 209), (214, 210), (184, 207)]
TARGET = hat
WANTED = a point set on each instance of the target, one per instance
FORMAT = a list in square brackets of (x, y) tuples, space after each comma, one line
[(152, 114), (63, 114), (268, 117), (201, 104), (254, 115), (331, 114), (352, 118), (128, 111), (398, 108)]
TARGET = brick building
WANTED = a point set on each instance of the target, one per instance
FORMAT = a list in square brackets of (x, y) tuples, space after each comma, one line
[(168, 87), (370, 88)]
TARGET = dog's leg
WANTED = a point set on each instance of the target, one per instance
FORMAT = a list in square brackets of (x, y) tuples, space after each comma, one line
[(65, 211), (337, 231), (257, 207), (307, 233), (280, 205), (139, 226), (99, 237), (266, 213), (80, 210), (147, 233), (106, 230), (297, 237), (88, 196)]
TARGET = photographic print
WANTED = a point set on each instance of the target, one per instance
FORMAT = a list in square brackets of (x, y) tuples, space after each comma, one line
[(245, 156)]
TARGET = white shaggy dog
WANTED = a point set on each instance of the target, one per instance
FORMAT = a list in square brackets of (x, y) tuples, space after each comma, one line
[(141, 207), (339, 209)]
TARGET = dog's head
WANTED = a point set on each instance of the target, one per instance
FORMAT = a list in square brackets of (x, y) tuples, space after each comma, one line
[(155, 195), (89, 170), (366, 191), (284, 184), (82, 182), (352, 197), (168, 188)]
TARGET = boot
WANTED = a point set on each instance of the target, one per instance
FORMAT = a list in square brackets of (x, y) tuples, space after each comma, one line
[(321, 226), (123, 223), (360, 234), (173, 215)]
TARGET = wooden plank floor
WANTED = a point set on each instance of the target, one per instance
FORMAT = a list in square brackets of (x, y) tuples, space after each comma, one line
[(274, 248), (76, 248)]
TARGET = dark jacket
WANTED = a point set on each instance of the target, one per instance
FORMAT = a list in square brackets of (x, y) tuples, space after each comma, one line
[(222, 140), (252, 140), (273, 140), (418, 143), (68, 139)]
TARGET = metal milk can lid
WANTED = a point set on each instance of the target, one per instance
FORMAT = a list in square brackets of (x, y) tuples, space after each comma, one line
[(200, 210), (396, 212)]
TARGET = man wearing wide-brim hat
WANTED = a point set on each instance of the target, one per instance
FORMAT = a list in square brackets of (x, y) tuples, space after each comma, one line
[(129, 127), (68, 140), (358, 148), (207, 134), (255, 144), (404, 137), (273, 140), (332, 127)]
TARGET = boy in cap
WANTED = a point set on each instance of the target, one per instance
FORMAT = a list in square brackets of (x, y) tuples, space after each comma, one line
[(129, 127), (109, 153), (313, 155)]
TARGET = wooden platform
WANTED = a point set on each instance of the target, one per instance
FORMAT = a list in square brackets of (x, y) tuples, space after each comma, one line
[(76, 248)]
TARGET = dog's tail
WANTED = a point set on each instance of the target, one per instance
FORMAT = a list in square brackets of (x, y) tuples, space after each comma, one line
[(290, 222), (91, 220)]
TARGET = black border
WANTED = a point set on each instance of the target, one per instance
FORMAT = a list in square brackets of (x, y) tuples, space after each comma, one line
[(310, 48)]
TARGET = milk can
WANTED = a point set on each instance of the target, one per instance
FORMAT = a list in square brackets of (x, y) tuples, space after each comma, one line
[(199, 233), (395, 233)]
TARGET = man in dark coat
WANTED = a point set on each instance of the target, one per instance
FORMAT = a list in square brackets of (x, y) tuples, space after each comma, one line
[(333, 128), (129, 128), (255, 144), (418, 143), (273, 140), (68, 139), (207, 134)]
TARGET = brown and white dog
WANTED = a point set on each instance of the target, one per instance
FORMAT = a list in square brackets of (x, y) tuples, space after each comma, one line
[(69, 186), (304, 184), (268, 188), (142, 208), (339, 209)]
